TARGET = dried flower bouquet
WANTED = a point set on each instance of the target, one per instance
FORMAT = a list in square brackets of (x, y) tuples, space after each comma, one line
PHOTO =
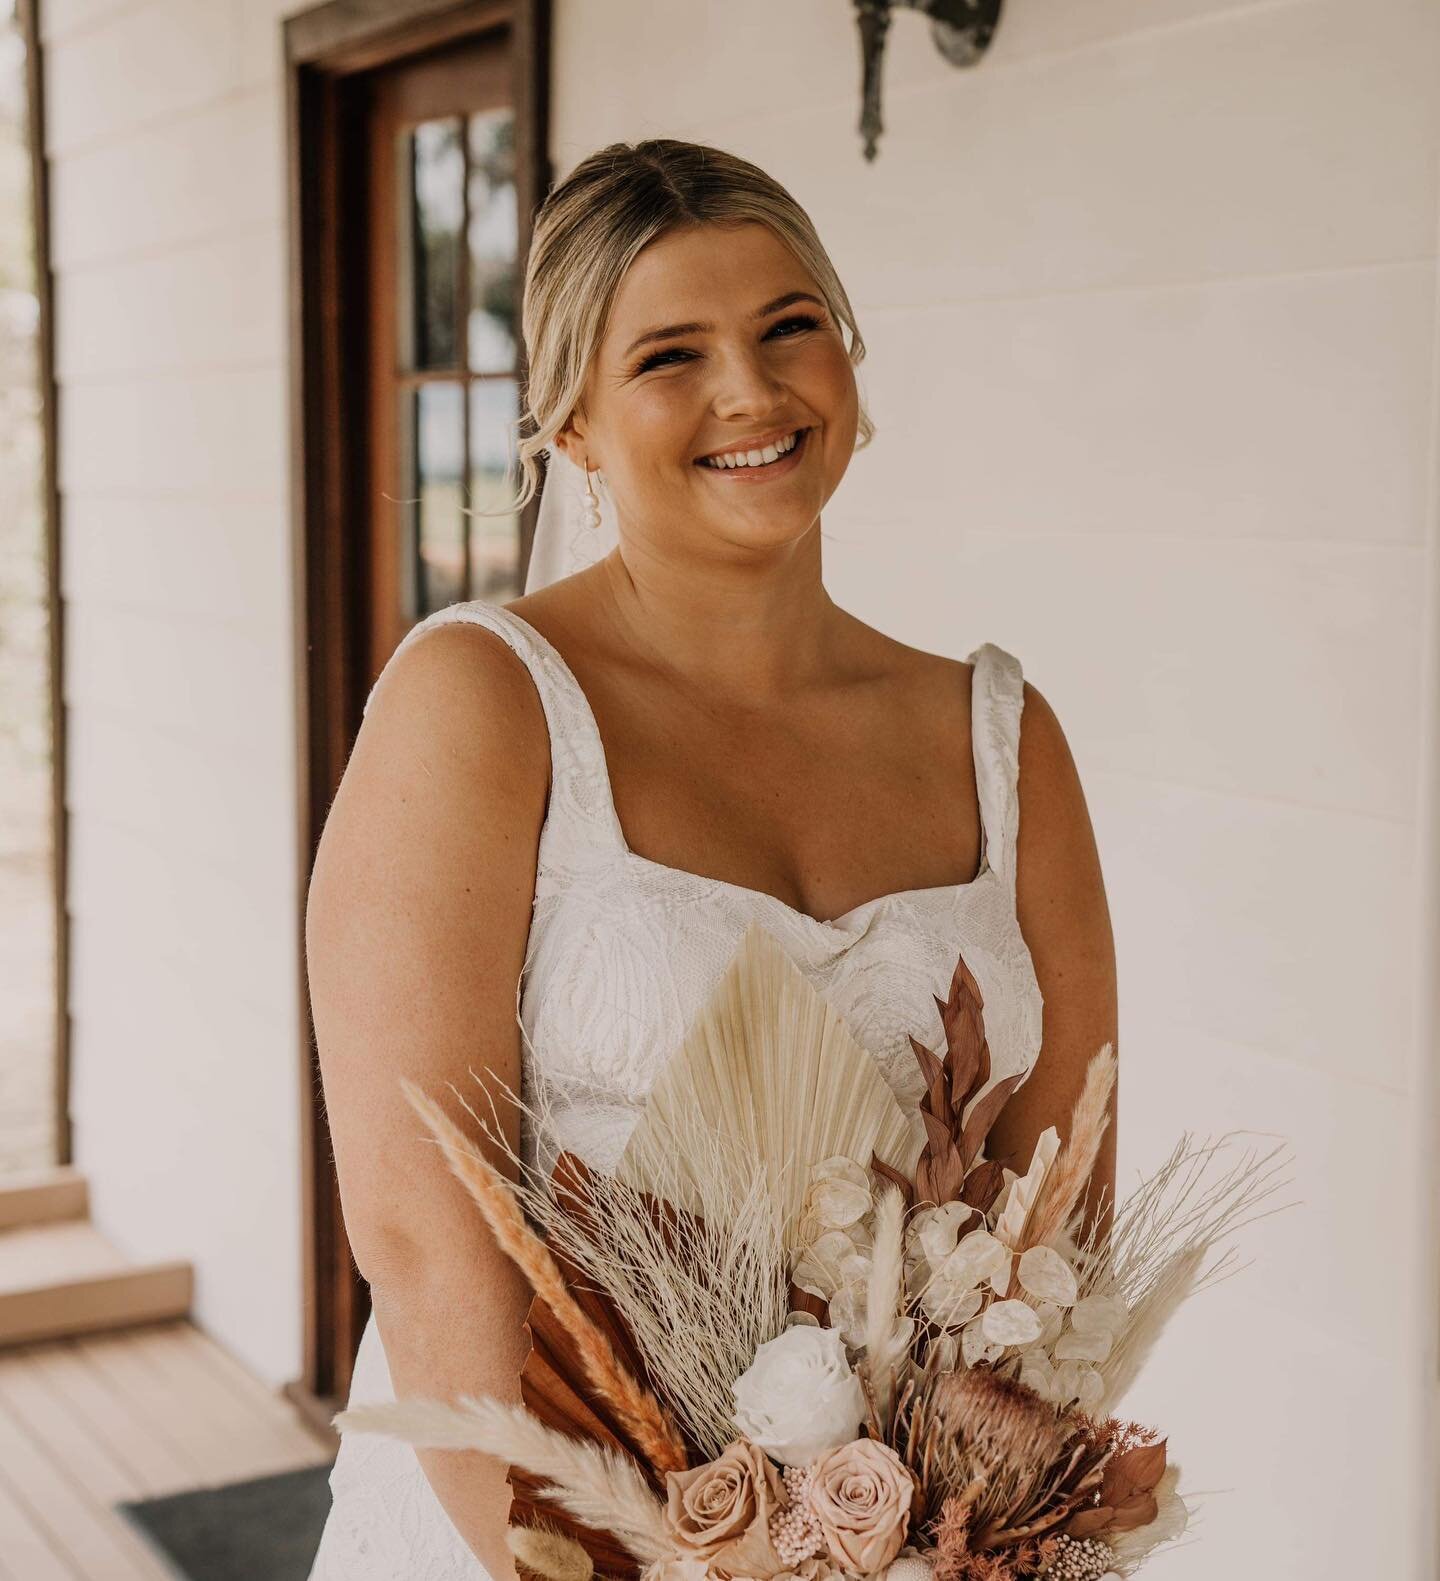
[(798, 1335)]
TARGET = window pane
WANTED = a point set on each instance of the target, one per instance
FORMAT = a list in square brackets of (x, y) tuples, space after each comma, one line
[(494, 540), (440, 528), (494, 241), (437, 206)]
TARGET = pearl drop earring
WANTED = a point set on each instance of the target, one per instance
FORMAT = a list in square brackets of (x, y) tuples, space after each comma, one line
[(592, 504)]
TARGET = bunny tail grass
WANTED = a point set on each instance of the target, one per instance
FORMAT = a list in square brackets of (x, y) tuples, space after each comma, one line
[(599, 1487), (887, 1336), (549, 1553), (1065, 1184), (636, 1407), (1172, 1287)]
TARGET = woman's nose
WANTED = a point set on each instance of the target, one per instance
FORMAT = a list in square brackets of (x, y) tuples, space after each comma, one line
[(746, 385)]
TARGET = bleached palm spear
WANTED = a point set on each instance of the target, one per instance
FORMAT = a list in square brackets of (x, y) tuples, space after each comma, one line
[(599, 1487), (769, 1064)]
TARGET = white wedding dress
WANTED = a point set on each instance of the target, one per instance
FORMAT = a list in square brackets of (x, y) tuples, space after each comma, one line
[(623, 951)]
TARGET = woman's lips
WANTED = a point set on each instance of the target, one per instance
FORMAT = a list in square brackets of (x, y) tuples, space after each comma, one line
[(774, 469)]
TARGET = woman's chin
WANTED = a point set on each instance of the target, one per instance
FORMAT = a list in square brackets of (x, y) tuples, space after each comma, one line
[(776, 529)]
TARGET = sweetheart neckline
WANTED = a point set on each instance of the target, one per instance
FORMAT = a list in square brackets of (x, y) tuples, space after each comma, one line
[(951, 891)]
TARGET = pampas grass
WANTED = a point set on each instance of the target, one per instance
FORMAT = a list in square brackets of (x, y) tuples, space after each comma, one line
[(598, 1486), (635, 1406), (1064, 1185), (1175, 1284)]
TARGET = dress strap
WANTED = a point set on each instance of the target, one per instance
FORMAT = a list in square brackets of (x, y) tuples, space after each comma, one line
[(579, 784), (997, 699)]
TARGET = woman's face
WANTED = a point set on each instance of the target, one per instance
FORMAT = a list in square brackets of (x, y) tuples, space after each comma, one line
[(718, 341)]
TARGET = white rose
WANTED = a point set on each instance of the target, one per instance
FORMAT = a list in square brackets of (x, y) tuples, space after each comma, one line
[(800, 1397)]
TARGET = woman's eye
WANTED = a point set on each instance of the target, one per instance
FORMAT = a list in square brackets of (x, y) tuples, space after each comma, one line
[(805, 320), (657, 359)]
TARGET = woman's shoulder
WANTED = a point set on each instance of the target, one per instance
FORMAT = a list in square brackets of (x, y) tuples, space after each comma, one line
[(459, 658), (907, 666), (455, 715)]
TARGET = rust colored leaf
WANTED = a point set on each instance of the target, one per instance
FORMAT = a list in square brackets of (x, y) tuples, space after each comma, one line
[(930, 1066), (937, 1133), (1137, 1470), (962, 1019), (1138, 1510), (907, 1187), (984, 1115), (982, 1185), (1090, 1522)]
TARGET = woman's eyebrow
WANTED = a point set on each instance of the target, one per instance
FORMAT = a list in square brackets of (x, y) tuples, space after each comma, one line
[(703, 329)]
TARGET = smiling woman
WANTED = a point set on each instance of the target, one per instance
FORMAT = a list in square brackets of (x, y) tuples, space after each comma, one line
[(585, 797), (738, 379)]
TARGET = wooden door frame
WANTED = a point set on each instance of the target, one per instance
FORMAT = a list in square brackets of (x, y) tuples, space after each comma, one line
[(326, 48), (28, 23)]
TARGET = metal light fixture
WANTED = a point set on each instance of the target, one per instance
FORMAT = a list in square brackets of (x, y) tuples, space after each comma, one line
[(962, 30)]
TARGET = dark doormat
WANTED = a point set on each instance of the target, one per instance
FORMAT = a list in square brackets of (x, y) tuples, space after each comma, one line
[(264, 1530)]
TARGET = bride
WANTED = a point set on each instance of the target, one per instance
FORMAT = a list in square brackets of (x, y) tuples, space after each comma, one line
[(561, 813)]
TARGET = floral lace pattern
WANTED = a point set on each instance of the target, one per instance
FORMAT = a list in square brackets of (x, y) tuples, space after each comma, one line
[(622, 953)]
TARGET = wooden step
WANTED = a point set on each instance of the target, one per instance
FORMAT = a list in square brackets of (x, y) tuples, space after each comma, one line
[(42, 1196), (63, 1277)]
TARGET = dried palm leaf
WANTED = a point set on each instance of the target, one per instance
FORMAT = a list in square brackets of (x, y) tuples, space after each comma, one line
[(767, 1064)]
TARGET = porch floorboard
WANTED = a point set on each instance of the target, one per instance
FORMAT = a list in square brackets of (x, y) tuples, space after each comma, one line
[(88, 1422)]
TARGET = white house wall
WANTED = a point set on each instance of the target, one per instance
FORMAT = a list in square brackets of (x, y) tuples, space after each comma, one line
[(165, 139), (1149, 301), (1150, 304)]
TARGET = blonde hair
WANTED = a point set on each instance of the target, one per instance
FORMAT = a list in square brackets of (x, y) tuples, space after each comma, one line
[(590, 229)]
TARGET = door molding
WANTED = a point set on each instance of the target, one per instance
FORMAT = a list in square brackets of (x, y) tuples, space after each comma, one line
[(328, 50)]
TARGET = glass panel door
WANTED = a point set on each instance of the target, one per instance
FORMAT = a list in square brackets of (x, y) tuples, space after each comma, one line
[(457, 386)]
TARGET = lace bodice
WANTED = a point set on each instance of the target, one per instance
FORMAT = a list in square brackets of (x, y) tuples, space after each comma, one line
[(622, 953)]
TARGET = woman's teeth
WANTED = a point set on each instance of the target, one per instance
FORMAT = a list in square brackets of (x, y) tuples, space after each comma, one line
[(754, 458)]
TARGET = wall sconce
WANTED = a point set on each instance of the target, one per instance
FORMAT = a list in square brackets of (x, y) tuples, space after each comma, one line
[(961, 29)]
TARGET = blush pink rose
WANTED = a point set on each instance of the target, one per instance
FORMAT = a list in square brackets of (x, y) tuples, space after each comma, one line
[(720, 1512), (862, 1495)]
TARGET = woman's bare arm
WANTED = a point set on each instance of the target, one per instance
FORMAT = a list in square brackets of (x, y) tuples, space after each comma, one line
[(416, 925), (1065, 918)]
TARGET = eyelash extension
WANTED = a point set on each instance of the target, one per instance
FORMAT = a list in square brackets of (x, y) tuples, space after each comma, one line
[(654, 359)]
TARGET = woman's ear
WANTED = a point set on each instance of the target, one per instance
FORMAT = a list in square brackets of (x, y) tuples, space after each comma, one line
[(571, 440)]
